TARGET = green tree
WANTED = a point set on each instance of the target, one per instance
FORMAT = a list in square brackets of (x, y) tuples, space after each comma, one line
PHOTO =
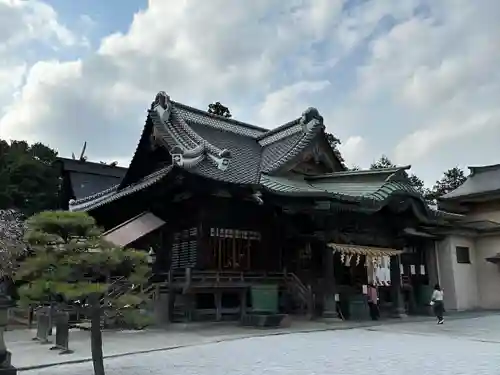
[(450, 181), (218, 109), (418, 185), (334, 143), (383, 162), (28, 181), (415, 181), (71, 262)]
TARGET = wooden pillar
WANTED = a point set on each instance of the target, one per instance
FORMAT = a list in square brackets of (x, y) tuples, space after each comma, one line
[(171, 303), (243, 303), (218, 306), (329, 303), (397, 297)]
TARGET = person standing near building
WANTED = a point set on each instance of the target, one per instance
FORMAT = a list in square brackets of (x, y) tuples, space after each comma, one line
[(437, 303), (373, 301)]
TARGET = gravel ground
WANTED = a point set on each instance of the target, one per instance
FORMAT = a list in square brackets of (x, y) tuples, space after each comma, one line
[(413, 351)]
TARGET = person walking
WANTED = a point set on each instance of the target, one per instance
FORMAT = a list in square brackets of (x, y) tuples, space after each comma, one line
[(437, 303), (373, 301)]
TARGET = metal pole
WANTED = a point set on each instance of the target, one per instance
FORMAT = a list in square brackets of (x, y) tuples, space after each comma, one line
[(436, 256)]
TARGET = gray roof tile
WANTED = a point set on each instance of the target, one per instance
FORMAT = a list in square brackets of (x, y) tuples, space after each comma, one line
[(280, 132), (194, 115), (482, 180), (244, 167), (276, 151), (113, 193), (72, 165), (253, 156), (85, 184), (87, 178)]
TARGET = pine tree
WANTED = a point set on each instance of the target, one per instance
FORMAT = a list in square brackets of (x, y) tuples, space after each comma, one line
[(218, 109), (334, 143), (70, 262), (450, 181), (383, 162), (416, 182)]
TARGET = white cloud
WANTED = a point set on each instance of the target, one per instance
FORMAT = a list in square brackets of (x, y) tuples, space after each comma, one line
[(429, 79), (22, 21), (288, 102), (354, 150), (198, 56), (11, 77), (442, 72), (26, 26)]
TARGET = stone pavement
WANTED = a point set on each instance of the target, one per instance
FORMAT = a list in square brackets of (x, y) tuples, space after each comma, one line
[(479, 329), (389, 350), (27, 354)]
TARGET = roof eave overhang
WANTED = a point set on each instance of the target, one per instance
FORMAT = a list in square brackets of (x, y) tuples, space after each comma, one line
[(472, 198), (115, 193)]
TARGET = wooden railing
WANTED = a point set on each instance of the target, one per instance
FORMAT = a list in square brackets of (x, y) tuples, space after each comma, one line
[(194, 278), (184, 280), (229, 276)]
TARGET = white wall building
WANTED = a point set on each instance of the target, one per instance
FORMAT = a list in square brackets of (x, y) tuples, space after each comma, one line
[(468, 253)]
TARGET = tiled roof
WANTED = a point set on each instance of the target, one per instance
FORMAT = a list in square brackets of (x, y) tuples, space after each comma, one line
[(81, 166), (85, 184), (363, 191), (244, 166), (276, 151), (194, 115), (381, 174), (87, 178), (220, 148), (113, 193), (280, 132), (481, 180), (227, 150)]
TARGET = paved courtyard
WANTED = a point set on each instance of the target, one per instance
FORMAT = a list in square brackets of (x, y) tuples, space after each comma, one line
[(462, 346)]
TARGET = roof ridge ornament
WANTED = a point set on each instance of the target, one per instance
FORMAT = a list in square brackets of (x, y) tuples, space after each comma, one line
[(162, 105), (311, 119), (182, 154), (162, 99)]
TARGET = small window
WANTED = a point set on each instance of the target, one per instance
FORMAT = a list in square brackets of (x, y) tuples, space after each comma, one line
[(463, 254)]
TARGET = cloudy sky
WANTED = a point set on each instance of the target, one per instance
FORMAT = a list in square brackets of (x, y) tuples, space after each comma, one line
[(418, 80)]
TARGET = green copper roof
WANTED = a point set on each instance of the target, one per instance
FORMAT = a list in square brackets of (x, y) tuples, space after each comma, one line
[(344, 189)]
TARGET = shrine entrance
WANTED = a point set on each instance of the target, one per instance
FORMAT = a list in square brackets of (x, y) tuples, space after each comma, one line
[(233, 249)]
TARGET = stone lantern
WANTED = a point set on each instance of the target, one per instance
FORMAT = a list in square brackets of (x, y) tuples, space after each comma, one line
[(6, 367), (151, 257)]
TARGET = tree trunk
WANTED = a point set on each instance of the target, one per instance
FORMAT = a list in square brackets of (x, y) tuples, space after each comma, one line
[(96, 336)]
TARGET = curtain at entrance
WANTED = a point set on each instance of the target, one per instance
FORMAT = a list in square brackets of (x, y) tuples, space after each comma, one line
[(377, 260)]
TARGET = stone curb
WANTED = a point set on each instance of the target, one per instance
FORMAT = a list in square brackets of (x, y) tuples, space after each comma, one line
[(243, 337)]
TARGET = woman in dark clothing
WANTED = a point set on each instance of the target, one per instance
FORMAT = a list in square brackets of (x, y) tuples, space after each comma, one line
[(437, 303)]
